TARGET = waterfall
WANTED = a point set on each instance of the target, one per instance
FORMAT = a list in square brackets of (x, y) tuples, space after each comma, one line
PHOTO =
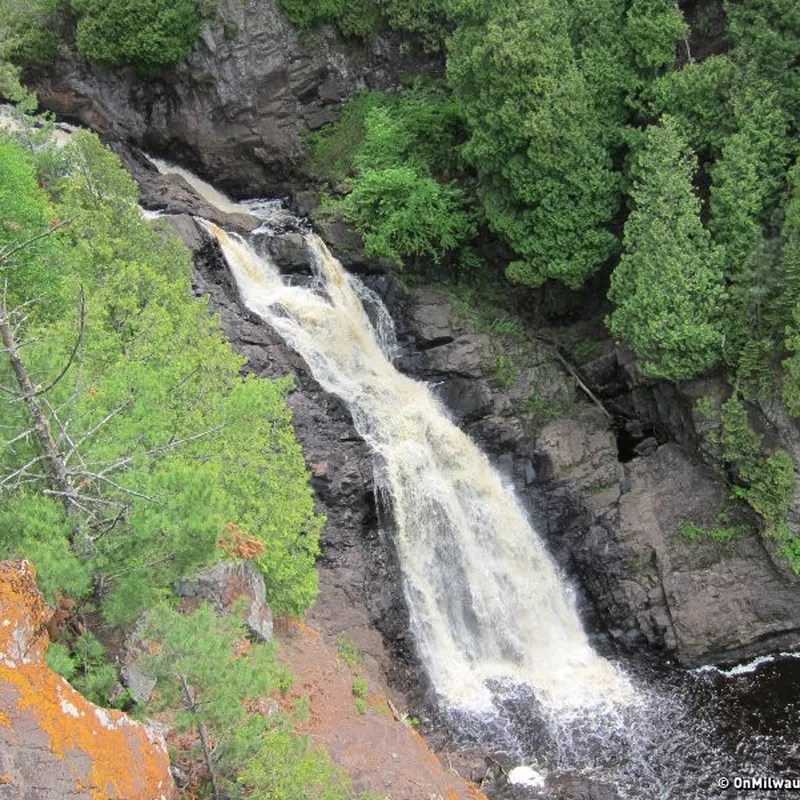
[(494, 622), (485, 599)]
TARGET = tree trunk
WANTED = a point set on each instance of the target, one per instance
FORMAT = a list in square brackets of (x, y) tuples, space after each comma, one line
[(58, 468), (191, 704)]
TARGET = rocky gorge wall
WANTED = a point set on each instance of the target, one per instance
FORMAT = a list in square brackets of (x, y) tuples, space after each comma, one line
[(613, 520), (237, 110)]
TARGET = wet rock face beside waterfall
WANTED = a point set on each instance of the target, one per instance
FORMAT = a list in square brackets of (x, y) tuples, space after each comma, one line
[(615, 527), (361, 594), (238, 108)]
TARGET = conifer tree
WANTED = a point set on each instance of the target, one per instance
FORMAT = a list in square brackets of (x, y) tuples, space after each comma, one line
[(667, 289), (546, 177), (224, 686)]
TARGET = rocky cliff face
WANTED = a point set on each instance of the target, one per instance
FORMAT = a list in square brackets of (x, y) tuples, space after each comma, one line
[(360, 585), (237, 110), (54, 744)]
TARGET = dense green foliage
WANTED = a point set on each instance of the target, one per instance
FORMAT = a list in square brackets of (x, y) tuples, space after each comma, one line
[(399, 153), (163, 33), (546, 177), (362, 18), (205, 667), (166, 442), (352, 17), (667, 289), (29, 30), (589, 139), (148, 34)]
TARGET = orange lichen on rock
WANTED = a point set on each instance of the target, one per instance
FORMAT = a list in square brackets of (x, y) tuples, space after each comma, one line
[(56, 740)]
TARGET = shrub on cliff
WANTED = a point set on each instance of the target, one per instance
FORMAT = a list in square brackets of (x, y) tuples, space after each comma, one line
[(401, 154), (149, 34)]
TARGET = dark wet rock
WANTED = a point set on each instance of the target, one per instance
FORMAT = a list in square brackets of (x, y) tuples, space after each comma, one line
[(194, 237), (172, 194), (577, 787), (345, 241), (467, 400), (291, 253), (361, 594)]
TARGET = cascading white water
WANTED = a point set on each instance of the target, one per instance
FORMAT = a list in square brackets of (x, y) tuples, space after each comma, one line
[(485, 599)]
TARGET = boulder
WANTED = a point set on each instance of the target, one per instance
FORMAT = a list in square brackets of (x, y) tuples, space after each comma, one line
[(226, 584), (429, 319), (55, 744), (469, 356), (467, 400)]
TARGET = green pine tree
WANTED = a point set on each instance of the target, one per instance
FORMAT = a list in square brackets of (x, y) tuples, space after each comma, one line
[(667, 289)]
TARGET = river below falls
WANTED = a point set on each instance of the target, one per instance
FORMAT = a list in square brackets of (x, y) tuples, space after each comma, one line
[(707, 733)]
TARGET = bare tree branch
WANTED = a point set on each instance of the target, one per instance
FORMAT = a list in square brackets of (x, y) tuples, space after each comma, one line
[(92, 431), (159, 450), (75, 349), (191, 704), (146, 565), (22, 435), (109, 523), (74, 496), (7, 252), (553, 350), (124, 489), (22, 470), (41, 425)]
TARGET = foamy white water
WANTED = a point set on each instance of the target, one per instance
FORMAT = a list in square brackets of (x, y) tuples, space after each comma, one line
[(271, 212), (485, 599)]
